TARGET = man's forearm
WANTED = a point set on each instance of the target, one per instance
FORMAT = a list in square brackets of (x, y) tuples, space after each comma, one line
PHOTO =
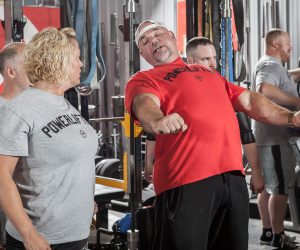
[(252, 156), (279, 96), (295, 73), (147, 110), (256, 181), (11, 204), (10, 200), (260, 108)]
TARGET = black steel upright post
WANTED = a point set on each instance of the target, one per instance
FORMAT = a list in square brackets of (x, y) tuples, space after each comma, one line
[(132, 234), (71, 94), (191, 19), (14, 21), (8, 21)]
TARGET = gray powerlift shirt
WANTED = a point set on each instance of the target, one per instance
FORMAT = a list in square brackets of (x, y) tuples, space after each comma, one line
[(271, 70), (2, 215), (2, 101), (55, 174)]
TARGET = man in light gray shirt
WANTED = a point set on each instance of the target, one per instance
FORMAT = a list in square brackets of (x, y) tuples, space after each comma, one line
[(276, 156), (14, 82)]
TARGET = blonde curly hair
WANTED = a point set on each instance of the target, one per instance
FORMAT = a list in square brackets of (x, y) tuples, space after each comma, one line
[(47, 55)]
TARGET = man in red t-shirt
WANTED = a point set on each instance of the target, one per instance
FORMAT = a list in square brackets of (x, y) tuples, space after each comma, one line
[(200, 50), (202, 198)]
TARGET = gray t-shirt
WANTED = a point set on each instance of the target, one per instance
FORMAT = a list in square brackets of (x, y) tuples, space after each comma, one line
[(2, 101), (271, 70), (2, 215), (55, 174)]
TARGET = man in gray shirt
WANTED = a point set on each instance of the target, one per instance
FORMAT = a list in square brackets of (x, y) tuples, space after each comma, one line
[(275, 153), (14, 82)]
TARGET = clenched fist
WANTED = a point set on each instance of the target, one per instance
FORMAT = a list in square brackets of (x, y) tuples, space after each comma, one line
[(170, 124)]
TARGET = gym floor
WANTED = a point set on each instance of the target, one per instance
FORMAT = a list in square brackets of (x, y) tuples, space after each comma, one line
[(255, 226), (254, 234)]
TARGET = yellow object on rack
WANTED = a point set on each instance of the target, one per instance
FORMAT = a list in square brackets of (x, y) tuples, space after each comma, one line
[(126, 124), (122, 184)]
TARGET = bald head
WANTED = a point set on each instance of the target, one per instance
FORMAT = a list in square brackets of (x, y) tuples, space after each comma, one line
[(9, 53), (157, 44), (12, 69), (273, 35), (145, 26), (278, 44)]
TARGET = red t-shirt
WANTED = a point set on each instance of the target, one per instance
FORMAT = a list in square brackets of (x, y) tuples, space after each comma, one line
[(211, 145)]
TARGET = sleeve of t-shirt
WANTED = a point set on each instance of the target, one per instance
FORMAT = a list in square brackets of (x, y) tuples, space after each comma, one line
[(269, 73), (138, 84), (233, 90), (13, 134)]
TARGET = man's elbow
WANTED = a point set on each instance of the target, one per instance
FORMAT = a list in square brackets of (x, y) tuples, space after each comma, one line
[(137, 107), (251, 103)]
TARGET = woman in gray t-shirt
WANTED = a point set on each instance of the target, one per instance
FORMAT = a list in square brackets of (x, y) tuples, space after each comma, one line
[(47, 151)]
